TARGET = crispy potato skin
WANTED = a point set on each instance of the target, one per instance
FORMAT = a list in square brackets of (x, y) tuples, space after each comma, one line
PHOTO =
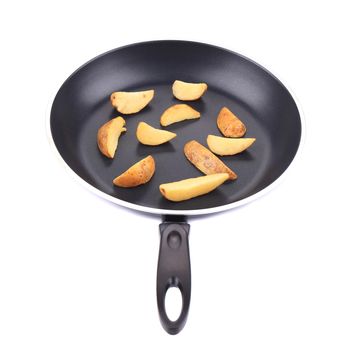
[(188, 91), (178, 113), (225, 146), (229, 124), (102, 139), (131, 102), (138, 174), (205, 160), (193, 187), (108, 134)]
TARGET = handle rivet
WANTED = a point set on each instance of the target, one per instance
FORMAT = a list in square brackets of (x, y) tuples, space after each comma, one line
[(174, 240)]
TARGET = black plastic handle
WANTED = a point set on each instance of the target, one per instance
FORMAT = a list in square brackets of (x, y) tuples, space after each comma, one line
[(174, 269)]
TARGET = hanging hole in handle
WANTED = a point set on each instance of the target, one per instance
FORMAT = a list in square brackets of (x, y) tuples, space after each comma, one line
[(173, 303)]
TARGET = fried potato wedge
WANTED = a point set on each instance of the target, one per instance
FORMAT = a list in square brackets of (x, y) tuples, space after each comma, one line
[(147, 135), (193, 187), (131, 102), (224, 146), (108, 135), (178, 113), (229, 124), (205, 160), (188, 91), (138, 174)]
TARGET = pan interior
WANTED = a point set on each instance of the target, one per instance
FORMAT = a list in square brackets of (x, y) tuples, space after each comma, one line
[(257, 97)]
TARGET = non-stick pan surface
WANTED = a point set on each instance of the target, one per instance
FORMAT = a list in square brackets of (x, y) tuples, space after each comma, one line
[(262, 102)]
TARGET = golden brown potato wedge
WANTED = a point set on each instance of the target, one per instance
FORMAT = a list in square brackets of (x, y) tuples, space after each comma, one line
[(229, 124), (131, 102), (205, 160), (138, 174), (147, 135), (178, 113), (190, 188), (224, 146), (108, 136), (188, 91)]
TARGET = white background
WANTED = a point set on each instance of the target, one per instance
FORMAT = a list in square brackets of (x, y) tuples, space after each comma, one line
[(77, 272)]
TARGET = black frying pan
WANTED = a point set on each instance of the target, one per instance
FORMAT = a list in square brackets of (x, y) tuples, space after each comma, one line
[(263, 103)]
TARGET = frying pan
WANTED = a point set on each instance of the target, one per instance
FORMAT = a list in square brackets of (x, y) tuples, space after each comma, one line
[(262, 102)]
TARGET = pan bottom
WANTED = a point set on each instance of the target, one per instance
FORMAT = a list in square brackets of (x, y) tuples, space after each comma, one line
[(171, 164)]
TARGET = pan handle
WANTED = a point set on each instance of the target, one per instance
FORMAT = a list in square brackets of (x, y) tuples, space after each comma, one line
[(174, 269)]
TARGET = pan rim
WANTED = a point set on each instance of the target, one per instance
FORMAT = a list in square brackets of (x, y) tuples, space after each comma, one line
[(193, 212)]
